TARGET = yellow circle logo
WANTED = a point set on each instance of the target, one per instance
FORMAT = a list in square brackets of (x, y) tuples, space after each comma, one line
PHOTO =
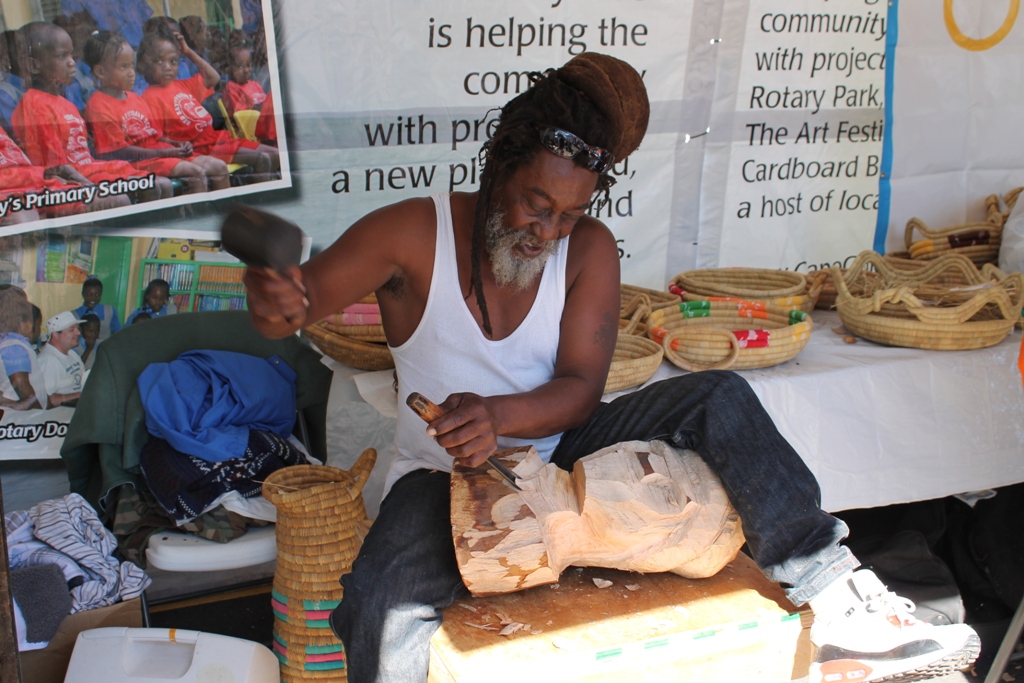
[(978, 44)]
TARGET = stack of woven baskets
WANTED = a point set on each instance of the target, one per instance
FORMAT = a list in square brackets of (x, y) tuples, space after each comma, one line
[(354, 337), (321, 521), (636, 357), (978, 241), (947, 305)]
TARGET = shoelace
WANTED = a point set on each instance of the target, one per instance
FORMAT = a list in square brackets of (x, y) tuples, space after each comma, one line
[(888, 601)]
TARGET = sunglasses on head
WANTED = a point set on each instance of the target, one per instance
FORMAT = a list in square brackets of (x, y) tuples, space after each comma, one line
[(569, 146)]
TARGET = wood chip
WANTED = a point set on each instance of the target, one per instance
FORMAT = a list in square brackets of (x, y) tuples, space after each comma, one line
[(482, 627), (632, 586), (554, 586), (465, 606), (840, 330), (602, 583), (850, 339), (512, 628), (504, 618)]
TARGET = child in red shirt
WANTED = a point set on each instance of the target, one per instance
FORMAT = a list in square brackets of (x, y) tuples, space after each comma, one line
[(50, 128), (120, 121), (241, 93), (19, 177), (177, 104)]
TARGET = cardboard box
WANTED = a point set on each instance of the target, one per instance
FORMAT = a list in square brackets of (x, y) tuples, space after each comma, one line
[(50, 664)]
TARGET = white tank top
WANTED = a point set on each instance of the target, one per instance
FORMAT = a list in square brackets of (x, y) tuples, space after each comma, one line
[(448, 353)]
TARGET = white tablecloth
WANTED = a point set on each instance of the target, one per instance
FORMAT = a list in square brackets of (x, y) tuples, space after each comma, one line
[(877, 425)]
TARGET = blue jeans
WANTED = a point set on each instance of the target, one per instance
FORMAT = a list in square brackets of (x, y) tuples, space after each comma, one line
[(406, 573)]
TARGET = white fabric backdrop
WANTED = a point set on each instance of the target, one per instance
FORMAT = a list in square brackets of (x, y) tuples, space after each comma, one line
[(956, 112)]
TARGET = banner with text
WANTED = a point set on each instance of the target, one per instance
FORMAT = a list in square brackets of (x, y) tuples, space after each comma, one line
[(393, 100), (793, 154)]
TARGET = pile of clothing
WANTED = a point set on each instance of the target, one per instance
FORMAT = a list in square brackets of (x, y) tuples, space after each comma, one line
[(220, 422), (62, 561)]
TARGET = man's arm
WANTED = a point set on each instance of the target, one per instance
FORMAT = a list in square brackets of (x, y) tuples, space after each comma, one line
[(383, 245), (59, 399), (589, 327)]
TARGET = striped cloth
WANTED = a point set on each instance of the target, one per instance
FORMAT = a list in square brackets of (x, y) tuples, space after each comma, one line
[(67, 531)]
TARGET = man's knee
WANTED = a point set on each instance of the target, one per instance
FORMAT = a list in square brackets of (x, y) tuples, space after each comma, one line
[(726, 384)]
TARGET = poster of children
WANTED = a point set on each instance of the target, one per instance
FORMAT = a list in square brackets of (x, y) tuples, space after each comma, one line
[(111, 108)]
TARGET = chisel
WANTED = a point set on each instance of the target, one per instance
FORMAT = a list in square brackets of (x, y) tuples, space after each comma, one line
[(430, 411)]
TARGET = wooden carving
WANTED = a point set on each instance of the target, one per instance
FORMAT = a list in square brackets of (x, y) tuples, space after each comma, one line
[(636, 506)]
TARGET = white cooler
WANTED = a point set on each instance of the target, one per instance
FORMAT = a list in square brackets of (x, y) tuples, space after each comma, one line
[(157, 655)]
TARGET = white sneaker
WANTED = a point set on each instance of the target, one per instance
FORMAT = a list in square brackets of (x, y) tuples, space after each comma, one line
[(877, 639)]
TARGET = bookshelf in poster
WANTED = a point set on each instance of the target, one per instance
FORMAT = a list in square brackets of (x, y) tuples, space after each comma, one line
[(196, 285)]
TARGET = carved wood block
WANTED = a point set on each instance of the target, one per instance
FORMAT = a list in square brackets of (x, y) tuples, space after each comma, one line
[(636, 506)]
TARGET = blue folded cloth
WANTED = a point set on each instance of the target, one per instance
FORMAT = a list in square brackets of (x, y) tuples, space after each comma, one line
[(205, 402)]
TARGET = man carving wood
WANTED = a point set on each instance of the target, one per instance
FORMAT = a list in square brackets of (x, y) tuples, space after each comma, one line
[(505, 301)]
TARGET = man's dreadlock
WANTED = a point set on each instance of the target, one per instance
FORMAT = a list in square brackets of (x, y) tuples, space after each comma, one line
[(549, 102)]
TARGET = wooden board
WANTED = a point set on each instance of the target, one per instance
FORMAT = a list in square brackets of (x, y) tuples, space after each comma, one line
[(734, 626)]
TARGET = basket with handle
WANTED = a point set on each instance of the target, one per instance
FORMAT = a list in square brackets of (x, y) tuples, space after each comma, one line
[(783, 288), (321, 521), (918, 310), (830, 293), (978, 241), (736, 335), (633, 315), (636, 303)]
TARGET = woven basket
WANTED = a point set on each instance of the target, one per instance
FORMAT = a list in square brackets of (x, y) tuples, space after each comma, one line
[(826, 300), (867, 282), (916, 310), (978, 241), (737, 335), (655, 298), (352, 352), (635, 361), (636, 303), (320, 526), (366, 333), (782, 288)]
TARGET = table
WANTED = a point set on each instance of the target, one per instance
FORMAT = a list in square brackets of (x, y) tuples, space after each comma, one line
[(877, 425)]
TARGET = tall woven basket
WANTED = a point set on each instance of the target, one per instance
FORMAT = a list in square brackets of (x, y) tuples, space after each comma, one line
[(321, 521)]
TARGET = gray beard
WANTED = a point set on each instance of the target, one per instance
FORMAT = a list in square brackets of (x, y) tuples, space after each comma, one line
[(509, 268)]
